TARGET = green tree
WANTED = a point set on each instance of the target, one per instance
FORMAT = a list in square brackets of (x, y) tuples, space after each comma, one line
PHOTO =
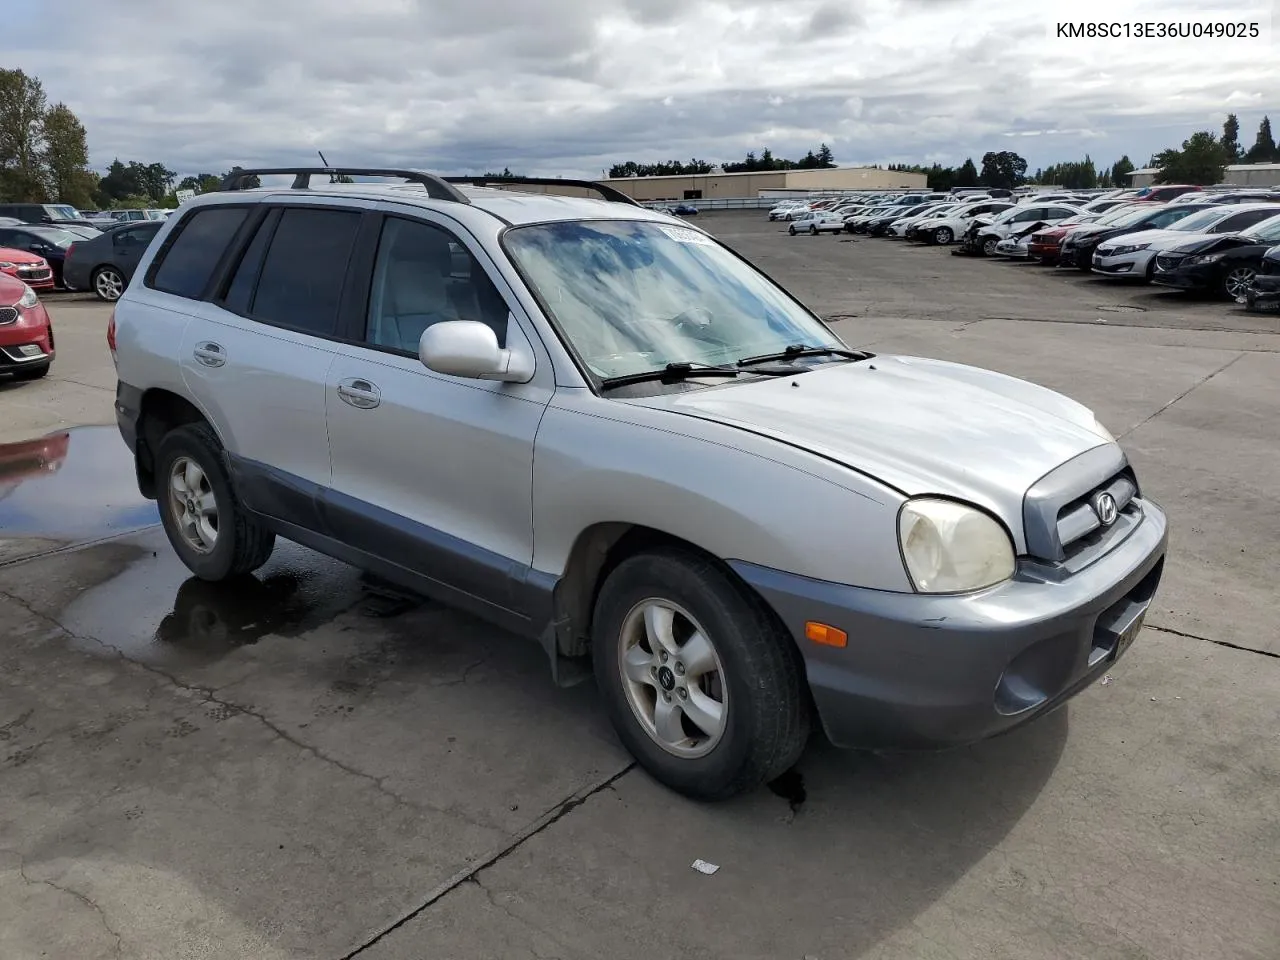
[(1262, 151), (1200, 161), (201, 183), (1231, 138), (967, 175), (1003, 169), (66, 157), (826, 159), (1120, 171), (22, 110)]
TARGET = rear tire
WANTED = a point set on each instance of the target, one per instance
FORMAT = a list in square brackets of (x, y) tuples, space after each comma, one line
[(108, 284), (813, 231), (213, 535), (792, 229), (748, 676)]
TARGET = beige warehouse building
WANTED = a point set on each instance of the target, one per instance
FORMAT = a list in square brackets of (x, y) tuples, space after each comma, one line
[(1236, 175), (710, 186)]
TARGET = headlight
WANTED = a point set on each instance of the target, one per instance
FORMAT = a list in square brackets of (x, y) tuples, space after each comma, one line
[(1203, 258), (950, 547), (7, 265), (29, 299), (1132, 248)]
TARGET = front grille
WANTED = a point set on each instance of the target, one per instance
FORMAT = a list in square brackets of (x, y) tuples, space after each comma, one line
[(34, 273), (1079, 520), (8, 314), (1060, 511), (1167, 263)]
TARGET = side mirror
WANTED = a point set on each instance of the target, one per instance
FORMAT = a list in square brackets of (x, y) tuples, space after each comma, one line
[(468, 348)]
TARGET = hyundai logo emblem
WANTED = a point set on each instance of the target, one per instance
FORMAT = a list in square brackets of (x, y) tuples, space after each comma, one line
[(1104, 505)]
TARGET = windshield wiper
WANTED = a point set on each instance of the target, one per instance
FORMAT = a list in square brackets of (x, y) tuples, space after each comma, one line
[(797, 350), (671, 373)]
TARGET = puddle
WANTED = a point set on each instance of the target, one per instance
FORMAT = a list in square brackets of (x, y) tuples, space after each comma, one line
[(155, 612), (72, 485)]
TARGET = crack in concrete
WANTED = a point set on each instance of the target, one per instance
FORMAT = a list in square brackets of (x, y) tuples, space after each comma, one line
[(1195, 386), (209, 695), (469, 874), (87, 901), (1221, 643)]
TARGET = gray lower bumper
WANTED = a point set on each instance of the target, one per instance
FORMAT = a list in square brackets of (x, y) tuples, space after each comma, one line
[(925, 671)]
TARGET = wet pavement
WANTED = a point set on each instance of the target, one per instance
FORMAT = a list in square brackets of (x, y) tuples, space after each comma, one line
[(306, 763)]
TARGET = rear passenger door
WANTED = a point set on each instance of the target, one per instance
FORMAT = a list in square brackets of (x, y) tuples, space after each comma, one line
[(431, 472), (256, 353)]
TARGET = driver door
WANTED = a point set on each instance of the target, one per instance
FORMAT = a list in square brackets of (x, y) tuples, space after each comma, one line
[(431, 472)]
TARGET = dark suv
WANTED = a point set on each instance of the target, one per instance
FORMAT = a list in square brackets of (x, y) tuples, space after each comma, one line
[(60, 214)]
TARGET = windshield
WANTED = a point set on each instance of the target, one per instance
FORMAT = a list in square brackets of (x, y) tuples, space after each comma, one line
[(59, 238), (1200, 220), (632, 296), (1268, 231), (62, 211)]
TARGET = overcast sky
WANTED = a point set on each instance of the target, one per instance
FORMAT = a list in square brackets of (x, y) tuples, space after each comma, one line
[(571, 86)]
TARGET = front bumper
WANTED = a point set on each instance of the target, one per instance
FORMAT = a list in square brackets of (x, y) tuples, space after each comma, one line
[(1196, 277), (1045, 252), (924, 672), (1265, 291), (1122, 265), (26, 341)]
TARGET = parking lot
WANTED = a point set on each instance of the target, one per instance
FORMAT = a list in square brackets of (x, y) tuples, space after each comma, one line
[(309, 765)]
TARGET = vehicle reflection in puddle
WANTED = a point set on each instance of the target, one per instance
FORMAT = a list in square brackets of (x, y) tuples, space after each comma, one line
[(72, 485), (155, 612)]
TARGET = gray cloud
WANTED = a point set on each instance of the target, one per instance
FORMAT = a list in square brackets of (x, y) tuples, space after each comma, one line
[(557, 86)]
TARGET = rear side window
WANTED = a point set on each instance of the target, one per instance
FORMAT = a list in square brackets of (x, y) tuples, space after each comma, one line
[(302, 276), (192, 256)]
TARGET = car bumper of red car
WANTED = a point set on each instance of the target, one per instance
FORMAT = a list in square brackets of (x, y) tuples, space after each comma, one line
[(26, 337)]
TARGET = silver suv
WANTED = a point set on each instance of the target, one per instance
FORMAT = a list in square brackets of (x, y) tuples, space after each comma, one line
[(597, 426)]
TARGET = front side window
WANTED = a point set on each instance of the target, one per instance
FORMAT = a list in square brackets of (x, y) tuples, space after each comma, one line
[(633, 296), (423, 276), (190, 260)]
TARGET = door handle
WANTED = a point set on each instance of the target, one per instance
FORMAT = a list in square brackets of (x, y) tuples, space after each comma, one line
[(359, 393), (210, 354)]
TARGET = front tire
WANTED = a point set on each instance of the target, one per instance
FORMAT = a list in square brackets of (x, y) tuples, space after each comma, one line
[(813, 231), (1237, 282), (213, 535), (701, 683), (989, 245), (943, 236)]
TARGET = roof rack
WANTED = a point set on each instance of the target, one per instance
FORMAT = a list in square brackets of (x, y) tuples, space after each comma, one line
[(437, 187), (607, 192)]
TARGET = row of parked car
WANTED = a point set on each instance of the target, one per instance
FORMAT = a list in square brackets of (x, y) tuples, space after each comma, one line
[(65, 250), (1224, 242)]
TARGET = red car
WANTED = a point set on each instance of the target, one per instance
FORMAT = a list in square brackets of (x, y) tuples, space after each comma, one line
[(32, 269), (26, 335), (1046, 244)]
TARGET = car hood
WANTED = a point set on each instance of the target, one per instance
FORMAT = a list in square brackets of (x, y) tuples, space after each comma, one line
[(1220, 241), (1160, 239), (921, 426), (10, 255)]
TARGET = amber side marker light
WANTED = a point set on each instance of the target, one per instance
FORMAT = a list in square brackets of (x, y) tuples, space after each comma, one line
[(826, 635)]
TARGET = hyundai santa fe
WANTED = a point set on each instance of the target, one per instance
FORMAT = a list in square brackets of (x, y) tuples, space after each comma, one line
[(598, 427)]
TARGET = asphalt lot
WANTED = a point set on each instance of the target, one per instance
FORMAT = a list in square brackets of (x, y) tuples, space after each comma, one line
[(303, 766)]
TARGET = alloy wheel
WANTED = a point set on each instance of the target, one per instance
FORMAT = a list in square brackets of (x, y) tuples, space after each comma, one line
[(1238, 281), (193, 505), (673, 678), (108, 284)]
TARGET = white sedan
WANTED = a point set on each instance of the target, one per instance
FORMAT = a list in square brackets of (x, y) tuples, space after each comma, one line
[(817, 221)]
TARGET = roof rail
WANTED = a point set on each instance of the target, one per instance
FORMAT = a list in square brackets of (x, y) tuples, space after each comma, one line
[(607, 192), (437, 187)]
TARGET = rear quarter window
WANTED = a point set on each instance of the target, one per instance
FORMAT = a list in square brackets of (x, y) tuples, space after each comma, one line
[(187, 263)]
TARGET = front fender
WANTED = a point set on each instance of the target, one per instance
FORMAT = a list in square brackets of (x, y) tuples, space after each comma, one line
[(734, 494)]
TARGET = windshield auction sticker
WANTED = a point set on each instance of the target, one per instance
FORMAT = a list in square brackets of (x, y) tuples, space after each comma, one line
[(685, 235)]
